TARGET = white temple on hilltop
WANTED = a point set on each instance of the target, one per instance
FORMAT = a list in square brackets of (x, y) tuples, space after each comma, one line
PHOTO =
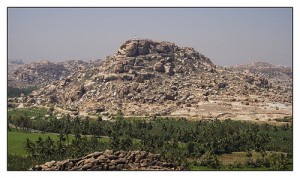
[(135, 38)]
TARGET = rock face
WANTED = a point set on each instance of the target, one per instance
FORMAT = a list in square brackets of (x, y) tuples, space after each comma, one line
[(147, 77), (110, 161)]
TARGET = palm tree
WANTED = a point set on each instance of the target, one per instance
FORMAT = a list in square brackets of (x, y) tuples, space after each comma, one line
[(30, 147), (66, 127), (190, 148), (60, 145), (115, 141), (126, 143), (50, 147), (40, 147), (85, 126)]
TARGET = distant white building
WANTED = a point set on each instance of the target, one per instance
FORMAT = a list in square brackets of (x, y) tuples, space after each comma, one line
[(135, 38)]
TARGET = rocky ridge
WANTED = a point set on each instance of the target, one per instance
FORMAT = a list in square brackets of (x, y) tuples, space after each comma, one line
[(110, 161), (278, 75), (12, 66), (43, 73), (146, 77)]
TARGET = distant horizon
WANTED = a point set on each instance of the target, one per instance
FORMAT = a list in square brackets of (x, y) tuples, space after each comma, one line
[(55, 61), (228, 36)]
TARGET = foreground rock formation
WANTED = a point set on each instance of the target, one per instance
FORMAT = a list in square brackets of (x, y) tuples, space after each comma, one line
[(110, 161), (150, 78)]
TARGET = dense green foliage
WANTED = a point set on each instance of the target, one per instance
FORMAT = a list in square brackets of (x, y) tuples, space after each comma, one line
[(197, 136), (16, 92), (201, 140)]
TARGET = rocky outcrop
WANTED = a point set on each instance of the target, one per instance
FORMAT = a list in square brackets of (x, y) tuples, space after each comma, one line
[(110, 161)]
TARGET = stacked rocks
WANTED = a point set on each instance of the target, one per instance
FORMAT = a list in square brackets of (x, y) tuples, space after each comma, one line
[(110, 161)]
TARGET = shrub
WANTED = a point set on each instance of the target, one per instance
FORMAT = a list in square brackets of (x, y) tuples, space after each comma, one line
[(279, 162), (210, 160)]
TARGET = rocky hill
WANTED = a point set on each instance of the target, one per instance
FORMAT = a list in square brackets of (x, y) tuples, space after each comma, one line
[(147, 77), (12, 66), (110, 161), (279, 75), (43, 73)]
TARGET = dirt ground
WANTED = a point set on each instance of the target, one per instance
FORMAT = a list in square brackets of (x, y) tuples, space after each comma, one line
[(262, 112), (257, 112), (237, 110)]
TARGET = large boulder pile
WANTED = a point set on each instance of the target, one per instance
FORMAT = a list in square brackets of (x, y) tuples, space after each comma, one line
[(157, 57), (152, 78), (110, 161)]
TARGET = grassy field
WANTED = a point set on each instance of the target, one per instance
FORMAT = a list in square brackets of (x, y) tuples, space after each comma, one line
[(17, 139), (241, 157)]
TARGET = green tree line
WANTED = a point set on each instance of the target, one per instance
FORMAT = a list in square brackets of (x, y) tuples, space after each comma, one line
[(16, 92), (203, 139)]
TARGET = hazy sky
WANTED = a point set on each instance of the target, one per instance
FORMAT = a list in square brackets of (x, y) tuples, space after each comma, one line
[(226, 35)]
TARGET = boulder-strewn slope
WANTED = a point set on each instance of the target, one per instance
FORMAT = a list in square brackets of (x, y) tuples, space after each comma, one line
[(12, 66), (110, 161), (146, 77), (43, 73), (279, 75)]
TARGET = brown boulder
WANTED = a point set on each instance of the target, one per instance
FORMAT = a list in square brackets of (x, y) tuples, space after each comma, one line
[(169, 69), (131, 49), (119, 68), (159, 67)]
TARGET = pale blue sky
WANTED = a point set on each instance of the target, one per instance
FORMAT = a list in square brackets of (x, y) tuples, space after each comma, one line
[(226, 35)]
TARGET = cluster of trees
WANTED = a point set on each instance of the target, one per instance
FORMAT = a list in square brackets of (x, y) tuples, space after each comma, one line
[(273, 161), (186, 139), (197, 136), (16, 92), (23, 122), (50, 149)]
